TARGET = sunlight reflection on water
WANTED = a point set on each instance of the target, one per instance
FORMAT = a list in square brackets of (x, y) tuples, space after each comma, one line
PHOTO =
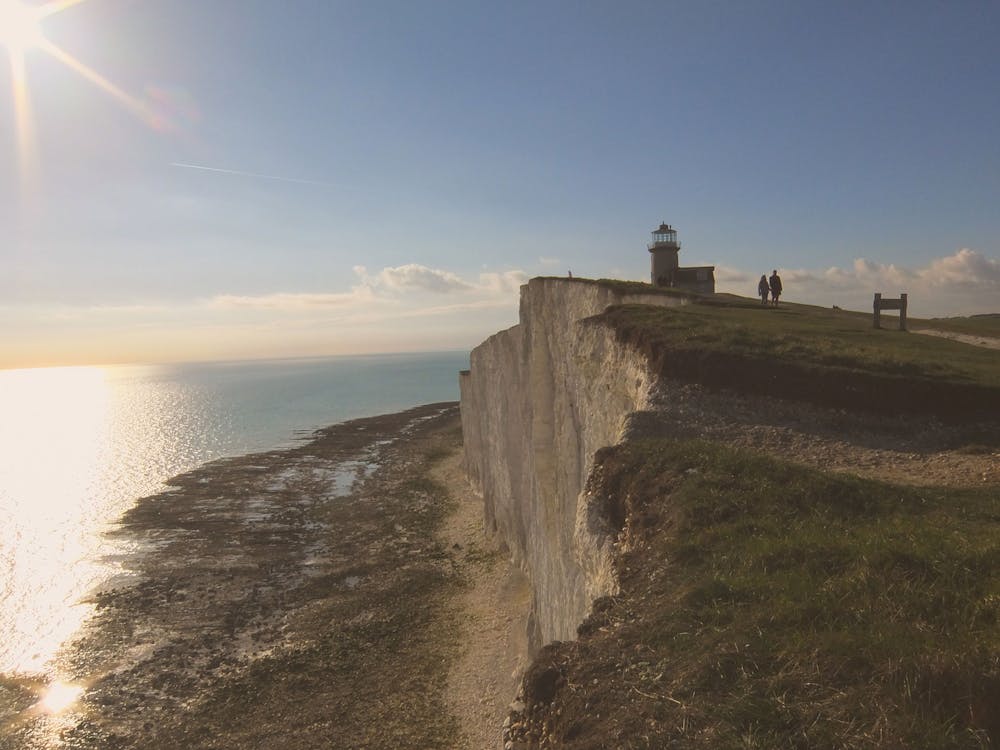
[(58, 697), (78, 446), (53, 428)]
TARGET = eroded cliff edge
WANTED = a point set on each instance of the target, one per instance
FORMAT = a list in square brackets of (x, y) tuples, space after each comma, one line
[(539, 400), (776, 473)]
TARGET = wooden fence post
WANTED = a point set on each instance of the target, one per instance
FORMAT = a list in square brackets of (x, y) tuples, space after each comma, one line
[(878, 309)]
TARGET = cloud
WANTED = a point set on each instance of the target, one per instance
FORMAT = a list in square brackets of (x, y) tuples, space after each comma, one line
[(964, 283), (506, 282), (292, 300), (409, 288), (964, 268), (415, 276), (546, 261), (728, 275)]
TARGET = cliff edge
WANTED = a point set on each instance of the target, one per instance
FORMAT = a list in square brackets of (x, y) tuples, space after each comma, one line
[(538, 402), (708, 400)]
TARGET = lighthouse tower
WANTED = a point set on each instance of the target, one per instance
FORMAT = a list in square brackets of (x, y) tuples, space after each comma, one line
[(663, 251)]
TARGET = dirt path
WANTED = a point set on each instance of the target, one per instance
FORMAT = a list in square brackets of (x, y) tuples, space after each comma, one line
[(492, 627), (990, 342)]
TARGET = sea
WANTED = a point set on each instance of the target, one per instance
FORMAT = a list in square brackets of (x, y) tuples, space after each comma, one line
[(80, 445)]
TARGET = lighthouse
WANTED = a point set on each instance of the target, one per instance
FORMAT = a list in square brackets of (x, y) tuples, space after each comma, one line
[(664, 249), (665, 268)]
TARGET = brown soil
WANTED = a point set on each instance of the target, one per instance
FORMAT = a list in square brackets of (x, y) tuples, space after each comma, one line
[(907, 448), (305, 598)]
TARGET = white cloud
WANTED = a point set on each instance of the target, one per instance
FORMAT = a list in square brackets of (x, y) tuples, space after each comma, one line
[(963, 283), (416, 276), (726, 275), (408, 288), (872, 272), (293, 300), (546, 261), (503, 283), (965, 268)]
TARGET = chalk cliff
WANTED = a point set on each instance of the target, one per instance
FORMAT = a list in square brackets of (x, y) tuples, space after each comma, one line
[(538, 401)]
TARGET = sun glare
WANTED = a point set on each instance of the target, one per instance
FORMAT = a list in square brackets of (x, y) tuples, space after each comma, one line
[(21, 31), (58, 697), (20, 26)]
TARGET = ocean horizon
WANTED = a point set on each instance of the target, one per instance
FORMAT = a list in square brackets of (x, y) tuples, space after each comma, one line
[(81, 445)]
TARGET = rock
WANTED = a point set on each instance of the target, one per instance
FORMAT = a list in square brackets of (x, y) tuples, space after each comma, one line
[(538, 402)]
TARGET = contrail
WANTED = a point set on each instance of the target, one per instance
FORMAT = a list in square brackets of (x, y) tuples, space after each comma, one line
[(239, 173)]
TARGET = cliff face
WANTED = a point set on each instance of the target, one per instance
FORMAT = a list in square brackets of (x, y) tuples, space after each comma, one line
[(539, 400)]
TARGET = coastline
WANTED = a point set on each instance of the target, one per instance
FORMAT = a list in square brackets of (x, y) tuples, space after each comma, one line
[(302, 597)]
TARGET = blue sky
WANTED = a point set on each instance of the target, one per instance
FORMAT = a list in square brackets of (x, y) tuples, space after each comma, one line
[(397, 169)]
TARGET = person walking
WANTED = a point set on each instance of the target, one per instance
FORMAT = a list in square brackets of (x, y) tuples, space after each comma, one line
[(775, 285), (763, 289)]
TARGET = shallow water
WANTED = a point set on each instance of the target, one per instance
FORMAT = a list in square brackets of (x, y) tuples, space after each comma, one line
[(268, 593), (79, 445)]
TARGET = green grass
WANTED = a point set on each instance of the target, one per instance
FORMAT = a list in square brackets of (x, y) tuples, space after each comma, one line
[(768, 605), (799, 352), (803, 334), (627, 287), (640, 287), (987, 324)]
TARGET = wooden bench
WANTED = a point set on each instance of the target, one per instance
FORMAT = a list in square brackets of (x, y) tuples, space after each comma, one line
[(890, 304)]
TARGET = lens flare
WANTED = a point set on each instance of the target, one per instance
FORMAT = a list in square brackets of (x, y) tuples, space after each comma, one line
[(20, 27), (20, 32)]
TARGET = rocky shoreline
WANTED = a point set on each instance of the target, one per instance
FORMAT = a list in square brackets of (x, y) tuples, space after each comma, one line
[(327, 595)]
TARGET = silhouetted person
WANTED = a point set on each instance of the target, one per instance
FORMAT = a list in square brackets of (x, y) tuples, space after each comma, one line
[(763, 289), (775, 281)]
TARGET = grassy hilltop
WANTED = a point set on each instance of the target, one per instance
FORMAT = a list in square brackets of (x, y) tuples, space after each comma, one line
[(768, 604), (827, 356)]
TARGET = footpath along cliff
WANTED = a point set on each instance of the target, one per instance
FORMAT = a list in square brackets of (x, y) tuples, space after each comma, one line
[(668, 574)]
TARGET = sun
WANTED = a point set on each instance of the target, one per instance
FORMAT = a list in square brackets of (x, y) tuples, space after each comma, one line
[(21, 31), (20, 26)]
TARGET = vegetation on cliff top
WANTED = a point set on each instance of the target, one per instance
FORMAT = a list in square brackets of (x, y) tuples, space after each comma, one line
[(766, 605), (828, 356)]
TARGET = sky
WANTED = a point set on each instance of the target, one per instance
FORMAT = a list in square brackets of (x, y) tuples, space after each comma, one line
[(191, 180)]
